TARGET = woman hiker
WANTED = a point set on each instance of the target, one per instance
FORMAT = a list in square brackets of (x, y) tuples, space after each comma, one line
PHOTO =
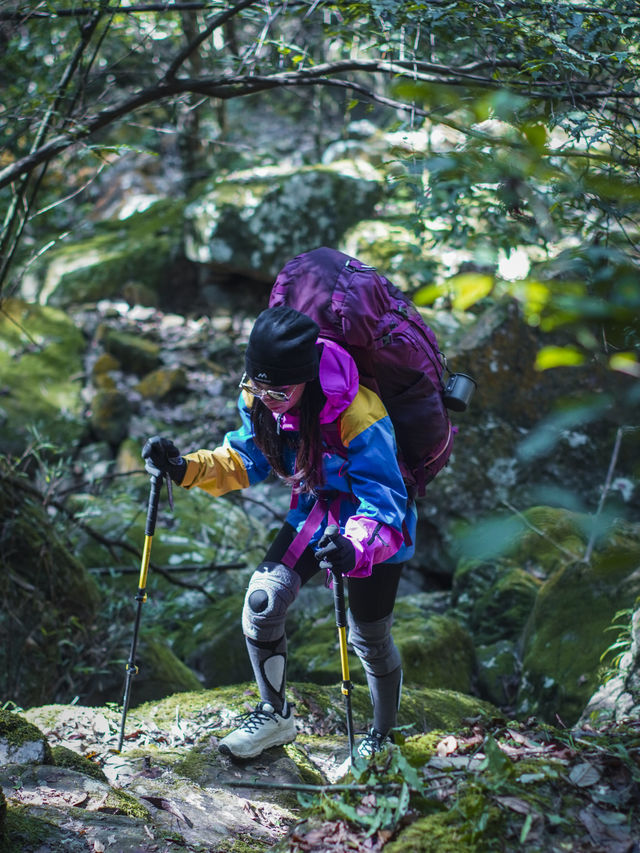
[(305, 417)]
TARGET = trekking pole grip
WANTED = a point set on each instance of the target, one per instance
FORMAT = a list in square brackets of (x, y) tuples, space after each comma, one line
[(332, 531), (152, 507)]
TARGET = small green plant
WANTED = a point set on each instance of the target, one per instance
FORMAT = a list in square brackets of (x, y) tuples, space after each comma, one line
[(379, 797), (613, 654)]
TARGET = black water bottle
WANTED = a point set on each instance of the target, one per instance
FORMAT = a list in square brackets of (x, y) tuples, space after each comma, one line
[(459, 391)]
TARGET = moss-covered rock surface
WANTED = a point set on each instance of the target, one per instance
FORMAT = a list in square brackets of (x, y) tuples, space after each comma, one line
[(458, 777), (41, 364)]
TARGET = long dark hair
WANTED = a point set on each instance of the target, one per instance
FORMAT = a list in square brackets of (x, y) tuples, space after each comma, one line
[(307, 444)]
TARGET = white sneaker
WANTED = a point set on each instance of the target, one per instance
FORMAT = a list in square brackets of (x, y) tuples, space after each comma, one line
[(259, 730)]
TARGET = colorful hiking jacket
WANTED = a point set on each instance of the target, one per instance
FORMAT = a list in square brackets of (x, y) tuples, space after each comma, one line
[(363, 488)]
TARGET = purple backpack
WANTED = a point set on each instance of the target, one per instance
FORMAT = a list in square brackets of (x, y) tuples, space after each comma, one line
[(396, 353)]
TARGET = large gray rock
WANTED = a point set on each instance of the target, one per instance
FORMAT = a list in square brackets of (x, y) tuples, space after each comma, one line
[(617, 700), (21, 742), (139, 259), (252, 222), (529, 436)]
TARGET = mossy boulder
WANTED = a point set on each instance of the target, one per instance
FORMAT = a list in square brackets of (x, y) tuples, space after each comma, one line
[(41, 365), (21, 742), (62, 756), (48, 600), (104, 372), (253, 222), (454, 830), (137, 258), (436, 652), (549, 536), (313, 648), (133, 353), (429, 709), (160, 672), (162, 384), (567, 631), (496, 598), (497, 672), (497, 346), (110, 416)]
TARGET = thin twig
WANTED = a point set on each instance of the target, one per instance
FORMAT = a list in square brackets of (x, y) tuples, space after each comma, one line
[(541, 533), (330, 788), (603, 495), (130, 570), (105, 540)]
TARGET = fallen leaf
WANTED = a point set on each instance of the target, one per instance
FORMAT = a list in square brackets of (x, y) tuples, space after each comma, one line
[(165, 805), (516, 804), (584, 775), (522, 740), (613, 839), (446, 746)]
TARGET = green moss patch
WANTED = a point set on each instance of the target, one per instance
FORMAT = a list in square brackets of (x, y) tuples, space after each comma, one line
[(64, 757), (41, 364)]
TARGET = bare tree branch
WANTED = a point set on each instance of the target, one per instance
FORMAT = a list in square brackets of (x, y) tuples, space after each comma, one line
[(213, 25), (24, 196), (320, 75), (198, 5), (82, 12)]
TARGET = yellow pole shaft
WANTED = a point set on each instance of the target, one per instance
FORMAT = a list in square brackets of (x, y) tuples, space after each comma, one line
[(144, 566), (344, 659)]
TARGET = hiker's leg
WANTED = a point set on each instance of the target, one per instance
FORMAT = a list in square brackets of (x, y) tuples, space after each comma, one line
[(272, 589), (370, 618)]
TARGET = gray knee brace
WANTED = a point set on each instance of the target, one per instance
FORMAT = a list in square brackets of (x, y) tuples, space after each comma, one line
[(374, 645), (272, 588)]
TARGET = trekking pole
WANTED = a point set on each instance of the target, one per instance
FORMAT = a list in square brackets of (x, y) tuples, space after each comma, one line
[(141, 595), (341, 622)]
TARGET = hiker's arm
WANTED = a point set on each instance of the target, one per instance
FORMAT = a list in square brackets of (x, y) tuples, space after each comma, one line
[(375, 529), (374, 542), (236, 464)]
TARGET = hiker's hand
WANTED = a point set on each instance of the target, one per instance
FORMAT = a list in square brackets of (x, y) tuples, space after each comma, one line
[(161, 456), (336, 552)]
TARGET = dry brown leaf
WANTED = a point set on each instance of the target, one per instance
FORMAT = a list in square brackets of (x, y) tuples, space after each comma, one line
[(446, 746)]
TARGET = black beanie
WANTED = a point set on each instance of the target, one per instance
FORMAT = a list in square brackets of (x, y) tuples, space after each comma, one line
[(282, 347)]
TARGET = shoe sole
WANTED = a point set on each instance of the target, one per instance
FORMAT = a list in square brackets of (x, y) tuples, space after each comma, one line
[(224, 749)]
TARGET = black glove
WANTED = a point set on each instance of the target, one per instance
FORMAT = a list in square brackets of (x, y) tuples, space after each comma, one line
[(161, 456), (336, 552)]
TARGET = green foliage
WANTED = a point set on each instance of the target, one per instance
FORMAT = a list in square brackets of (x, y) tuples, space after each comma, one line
[(527, 113), (611, 658), (392, 782)]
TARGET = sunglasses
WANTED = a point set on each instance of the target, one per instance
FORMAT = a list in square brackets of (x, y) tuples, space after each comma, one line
[(278, 396)]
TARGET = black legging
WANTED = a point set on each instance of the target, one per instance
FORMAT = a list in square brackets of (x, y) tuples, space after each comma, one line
[(370, 598)]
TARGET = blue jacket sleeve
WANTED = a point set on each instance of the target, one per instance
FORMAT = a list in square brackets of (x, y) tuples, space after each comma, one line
[(241, 440)]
